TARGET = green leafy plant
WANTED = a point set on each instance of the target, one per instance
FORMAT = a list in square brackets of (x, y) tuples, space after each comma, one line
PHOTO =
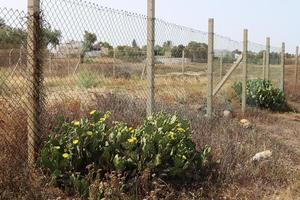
[(87, 80), (83, 151), (261, 93)]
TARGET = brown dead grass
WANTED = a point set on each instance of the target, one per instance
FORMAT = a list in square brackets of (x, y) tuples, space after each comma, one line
[(231, 176)]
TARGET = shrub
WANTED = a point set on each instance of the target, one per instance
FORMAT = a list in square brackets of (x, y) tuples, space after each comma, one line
[(82, 151), (261, 93), (87, 80)]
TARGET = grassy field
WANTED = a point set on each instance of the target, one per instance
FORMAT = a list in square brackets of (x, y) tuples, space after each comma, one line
[(93, 86)]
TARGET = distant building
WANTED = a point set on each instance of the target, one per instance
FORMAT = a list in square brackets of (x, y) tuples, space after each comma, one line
[(75, 48), (71, 48), (169, 60)]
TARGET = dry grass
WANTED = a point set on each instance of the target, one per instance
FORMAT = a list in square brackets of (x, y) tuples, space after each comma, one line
[(232, 175)]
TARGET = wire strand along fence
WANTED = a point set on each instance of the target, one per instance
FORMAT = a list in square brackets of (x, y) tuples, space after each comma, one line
[(70, 57)]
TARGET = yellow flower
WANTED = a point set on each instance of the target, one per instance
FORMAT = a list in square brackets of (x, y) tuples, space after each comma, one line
[(89, 133), (93, 112), (172, 135), (180, 129), (76, 123), (57, 147), (131, 130), (102, 119), (107, 115), (66, 155), (75, 141), (132, 139)]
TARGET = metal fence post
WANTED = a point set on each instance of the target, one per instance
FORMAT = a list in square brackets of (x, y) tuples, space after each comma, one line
[(150, 56), (244, 88), (296, 70), (183, 62), (282, 66), (210, 67), (35, 74), (267, 77)]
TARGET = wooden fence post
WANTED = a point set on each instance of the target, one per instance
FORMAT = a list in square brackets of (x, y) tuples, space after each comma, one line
[(210, 67), (282, 66), (221, 66), (296, 69), (35, 75), (114, 63), (264, 64), (150, 56), (267, 77), (183, 62), (244, 87)]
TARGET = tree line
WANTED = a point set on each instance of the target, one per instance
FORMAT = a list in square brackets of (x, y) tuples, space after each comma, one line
[(11, 37)]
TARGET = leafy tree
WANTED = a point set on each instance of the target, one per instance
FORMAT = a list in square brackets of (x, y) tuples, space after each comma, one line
[(89, 40), (130, 54), (106, 45), (167, 45), (101, 45), (237, 52), (197, 51), (134, 44), (228, 58), (177, 51), (11, 37), (14, 37), (51, 37), (158, 50)]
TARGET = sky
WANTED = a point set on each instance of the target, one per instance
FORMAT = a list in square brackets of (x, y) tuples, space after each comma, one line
[(276, 19)]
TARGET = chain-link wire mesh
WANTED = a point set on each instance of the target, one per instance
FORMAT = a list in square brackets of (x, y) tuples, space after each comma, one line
[(227, 54), (101, 51), (14, 83), (181, 57), (90, 57)]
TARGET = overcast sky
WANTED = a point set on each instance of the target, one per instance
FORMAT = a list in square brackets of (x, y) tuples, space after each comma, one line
[(275, 18)]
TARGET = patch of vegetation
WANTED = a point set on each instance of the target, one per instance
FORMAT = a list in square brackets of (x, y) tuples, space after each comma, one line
[(87, 80), (262, 94), (82, 152)]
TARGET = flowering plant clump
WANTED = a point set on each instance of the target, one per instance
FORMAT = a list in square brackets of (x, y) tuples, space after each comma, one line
[(82, 151)]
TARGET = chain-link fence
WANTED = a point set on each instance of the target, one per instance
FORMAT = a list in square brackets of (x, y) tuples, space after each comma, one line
[(82, 57)]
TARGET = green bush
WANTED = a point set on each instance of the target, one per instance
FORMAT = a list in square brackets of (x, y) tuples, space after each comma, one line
[(82, 151), (87, 80), (261, 93)]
